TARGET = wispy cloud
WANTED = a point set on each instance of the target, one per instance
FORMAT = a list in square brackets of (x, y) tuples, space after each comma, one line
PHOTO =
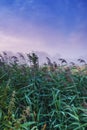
[(72, 45), (42, 30)]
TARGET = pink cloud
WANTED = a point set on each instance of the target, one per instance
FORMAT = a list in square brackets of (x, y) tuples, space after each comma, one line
[(19, 35)]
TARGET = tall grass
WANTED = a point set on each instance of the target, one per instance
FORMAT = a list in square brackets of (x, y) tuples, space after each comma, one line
[(42, 98)]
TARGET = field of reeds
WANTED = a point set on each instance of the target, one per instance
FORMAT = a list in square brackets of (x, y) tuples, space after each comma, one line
[(48, 97)]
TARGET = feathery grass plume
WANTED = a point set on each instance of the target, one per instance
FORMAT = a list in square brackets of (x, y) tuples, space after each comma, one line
[(34, 61), (1, 57), (21, 55), (14, 60), (55, 65), (73, 64), (23, 59), (1, 60), (25, 114), (4, 53), (5, 56), (63, 61), (11, 104), (82, 61), (49, 61), (50, 64)]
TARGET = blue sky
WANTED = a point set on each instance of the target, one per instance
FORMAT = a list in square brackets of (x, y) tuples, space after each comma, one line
[(51, 26)]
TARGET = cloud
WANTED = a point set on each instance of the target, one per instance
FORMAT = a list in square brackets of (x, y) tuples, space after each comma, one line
[(27, 38), (25, 34), (21, 44)]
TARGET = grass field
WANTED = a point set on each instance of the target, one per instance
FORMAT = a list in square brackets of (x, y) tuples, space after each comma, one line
[(42, 98)]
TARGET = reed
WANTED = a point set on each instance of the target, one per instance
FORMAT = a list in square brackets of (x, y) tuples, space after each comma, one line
[(49, 97)]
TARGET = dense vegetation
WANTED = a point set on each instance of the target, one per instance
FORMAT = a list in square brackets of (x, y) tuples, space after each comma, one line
[(50, 97)]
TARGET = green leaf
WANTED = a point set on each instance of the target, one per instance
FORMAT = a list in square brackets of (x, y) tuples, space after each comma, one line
[(27, 124), (0, 114)]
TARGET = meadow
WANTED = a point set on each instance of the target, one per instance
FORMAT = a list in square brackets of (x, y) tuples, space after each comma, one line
[(48, 97)]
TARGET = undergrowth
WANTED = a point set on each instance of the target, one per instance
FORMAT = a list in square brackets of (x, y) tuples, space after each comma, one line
[(49, 97)]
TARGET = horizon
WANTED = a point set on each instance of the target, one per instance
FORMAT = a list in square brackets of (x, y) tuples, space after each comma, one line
[(58, 27), (42, 58)]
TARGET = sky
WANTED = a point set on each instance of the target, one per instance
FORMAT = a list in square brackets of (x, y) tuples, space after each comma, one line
[(51, 26)]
